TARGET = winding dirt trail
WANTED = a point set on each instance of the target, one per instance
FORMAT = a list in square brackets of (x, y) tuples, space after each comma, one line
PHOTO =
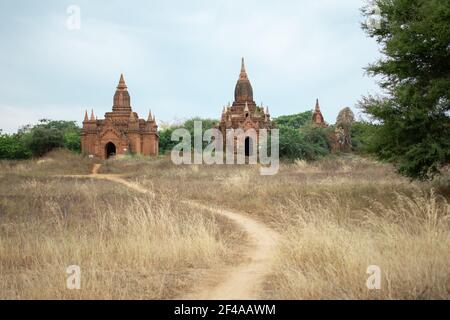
[(243, 282)]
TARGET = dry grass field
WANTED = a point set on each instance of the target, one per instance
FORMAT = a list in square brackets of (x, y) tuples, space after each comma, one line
[(335, 217)]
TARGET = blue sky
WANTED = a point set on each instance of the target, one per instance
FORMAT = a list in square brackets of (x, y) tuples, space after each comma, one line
[(180, 58)]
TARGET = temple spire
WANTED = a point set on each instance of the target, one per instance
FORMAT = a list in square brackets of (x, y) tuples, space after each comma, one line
[(317, 117), (149, 116), (243, 74), (121, 101), (121, 84), (92, 115), (86, 119)]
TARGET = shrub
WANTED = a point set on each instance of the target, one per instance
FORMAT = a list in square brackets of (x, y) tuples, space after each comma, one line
[(12, 147), (294, 121), (310, 143), (48, 135)]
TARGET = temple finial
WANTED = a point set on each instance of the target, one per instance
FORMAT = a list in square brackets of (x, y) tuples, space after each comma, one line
[(317, 105), (243, 74), (121, 84)]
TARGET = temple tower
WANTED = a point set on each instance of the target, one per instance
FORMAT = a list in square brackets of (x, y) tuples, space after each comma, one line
[(244, 113), (121, 131)]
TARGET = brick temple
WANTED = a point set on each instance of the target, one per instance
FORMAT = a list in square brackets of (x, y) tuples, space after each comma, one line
[(244, 113), (317, 117), (121, 131)]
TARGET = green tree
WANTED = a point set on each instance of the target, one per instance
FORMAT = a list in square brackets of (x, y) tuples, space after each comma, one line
[(318, 137), (13, 147), (72, 140), (41, 140), (294, 121), (413, 120), (308, 143), (48, 135), (165, 142), (362, 133)]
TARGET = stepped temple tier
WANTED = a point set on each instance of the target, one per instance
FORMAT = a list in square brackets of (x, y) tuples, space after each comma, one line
[(244, 113), (121, 131)]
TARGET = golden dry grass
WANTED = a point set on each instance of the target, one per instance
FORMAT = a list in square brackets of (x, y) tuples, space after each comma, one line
[(127, 245), (327, 248), (336, 217)]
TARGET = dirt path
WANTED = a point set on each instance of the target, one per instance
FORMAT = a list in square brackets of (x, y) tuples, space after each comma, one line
[(243, 282)]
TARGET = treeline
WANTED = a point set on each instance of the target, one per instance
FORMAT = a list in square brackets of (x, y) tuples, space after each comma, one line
[(34, 141), (299, 139)]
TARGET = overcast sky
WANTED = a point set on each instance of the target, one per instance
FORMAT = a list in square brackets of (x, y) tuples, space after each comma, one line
[(180, 58)]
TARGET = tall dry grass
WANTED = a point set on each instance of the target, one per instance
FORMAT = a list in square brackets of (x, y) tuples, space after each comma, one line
[(327, 248), (55, 162), (336, 216), (127, 245)]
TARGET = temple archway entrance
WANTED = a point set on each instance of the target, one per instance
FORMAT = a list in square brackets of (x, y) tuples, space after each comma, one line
[(248, 146), (110, 150)]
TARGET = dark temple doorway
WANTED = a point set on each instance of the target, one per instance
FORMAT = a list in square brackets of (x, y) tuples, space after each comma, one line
[(110, 149), (248, 147)]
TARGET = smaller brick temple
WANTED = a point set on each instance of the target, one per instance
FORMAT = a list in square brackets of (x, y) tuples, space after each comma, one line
[(317, 117), (121, 131)]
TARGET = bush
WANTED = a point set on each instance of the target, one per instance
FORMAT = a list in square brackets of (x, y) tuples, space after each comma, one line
[(12, 147), (294, 121), (309, 143), (72, 140), (362, 133), (39, 139), (42, 140), (165, 142)]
